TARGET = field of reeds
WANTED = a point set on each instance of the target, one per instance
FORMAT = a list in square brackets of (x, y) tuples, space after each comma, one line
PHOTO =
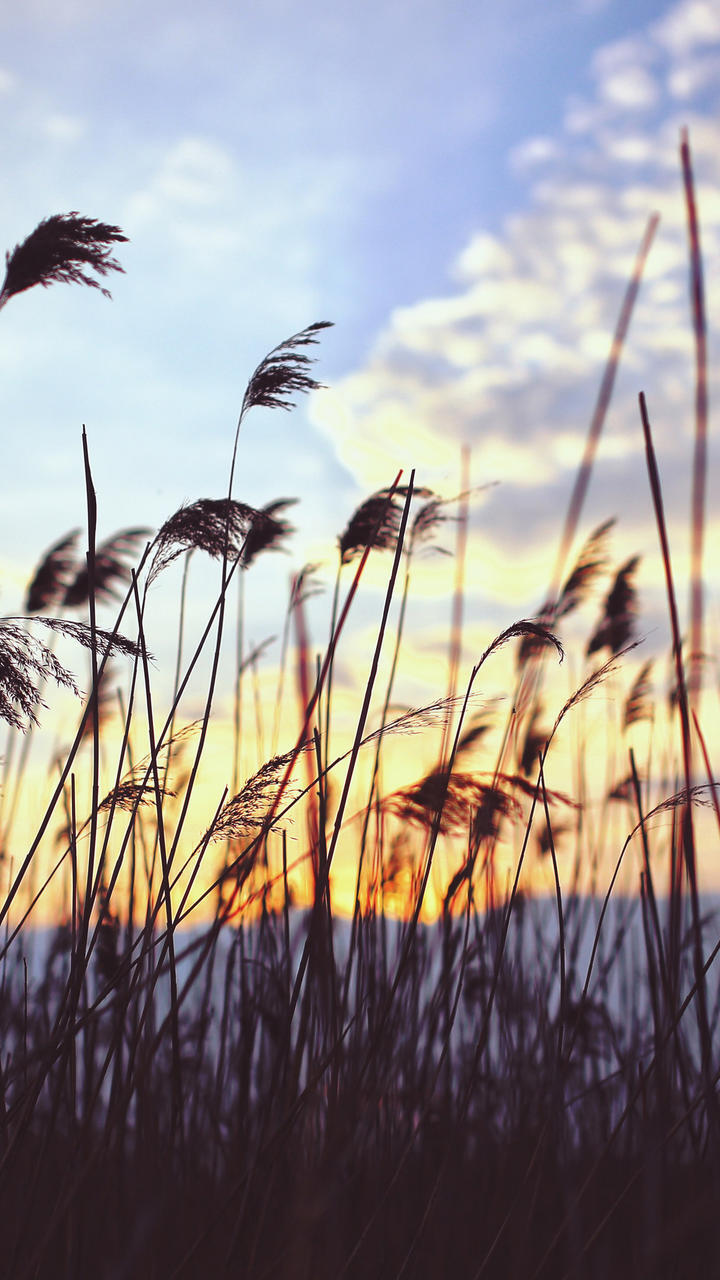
[(209, 1070)]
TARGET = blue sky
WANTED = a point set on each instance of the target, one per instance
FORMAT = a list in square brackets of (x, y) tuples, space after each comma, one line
[(459, 187)]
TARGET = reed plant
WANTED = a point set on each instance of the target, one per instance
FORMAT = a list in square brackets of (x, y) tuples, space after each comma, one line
[(208, 1069)]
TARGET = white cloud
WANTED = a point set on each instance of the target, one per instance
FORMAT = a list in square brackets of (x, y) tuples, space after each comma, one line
[(623, 76), (485, 254), (195, 173), (631, 149), (510, 359), (688, 26), (630, 87), (534, 151), (64, 128), (693, 75)]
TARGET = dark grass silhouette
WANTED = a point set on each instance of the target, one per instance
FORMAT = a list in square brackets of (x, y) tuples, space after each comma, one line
[(204, 1074)]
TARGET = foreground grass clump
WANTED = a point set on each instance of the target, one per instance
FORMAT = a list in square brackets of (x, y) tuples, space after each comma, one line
[(202, 1075)]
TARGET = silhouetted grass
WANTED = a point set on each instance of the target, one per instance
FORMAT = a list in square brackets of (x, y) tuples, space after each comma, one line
[(206, 1072)]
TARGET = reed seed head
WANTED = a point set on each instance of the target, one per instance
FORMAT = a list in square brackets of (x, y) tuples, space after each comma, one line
[(62, 249), (52, 576), (218, 526), (284, 372), (111, 570)]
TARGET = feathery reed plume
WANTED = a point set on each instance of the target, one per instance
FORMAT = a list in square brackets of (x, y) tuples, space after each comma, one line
[(433, 513), (397, 868), (528, 789), (304, 586), (267, 530), (591, 561), (218, 526), (700, 660), (249, 809), (108, 936), (617, 623), (58, 251), (478, 726), (415, 719), (639, 704), (130, 793), (172, 748), (624, 790), (24, 663), (546, 837), (452, 800), (111, 571), (590, 684), (252, 658), (527, 628), (284, 372), (24, 658), (430, 516), (533, 743), (375, 523), (103, 642), (700, 794), (51, 578)]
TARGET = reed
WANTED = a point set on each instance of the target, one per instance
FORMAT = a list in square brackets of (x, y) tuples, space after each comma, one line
[(207, 1068)]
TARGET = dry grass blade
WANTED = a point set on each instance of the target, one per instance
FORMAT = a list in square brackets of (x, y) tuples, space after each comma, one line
[(697, 528), (284, 372), (106, 698), (218, 526), (602, 404), (111, 571), (50, 580), (25, 662), (59, 251), (617, 624)]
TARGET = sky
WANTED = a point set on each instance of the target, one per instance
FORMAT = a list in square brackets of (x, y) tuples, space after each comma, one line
[(461, 188)]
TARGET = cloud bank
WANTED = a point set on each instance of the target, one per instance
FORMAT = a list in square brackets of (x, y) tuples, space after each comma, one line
[(509, 358)]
